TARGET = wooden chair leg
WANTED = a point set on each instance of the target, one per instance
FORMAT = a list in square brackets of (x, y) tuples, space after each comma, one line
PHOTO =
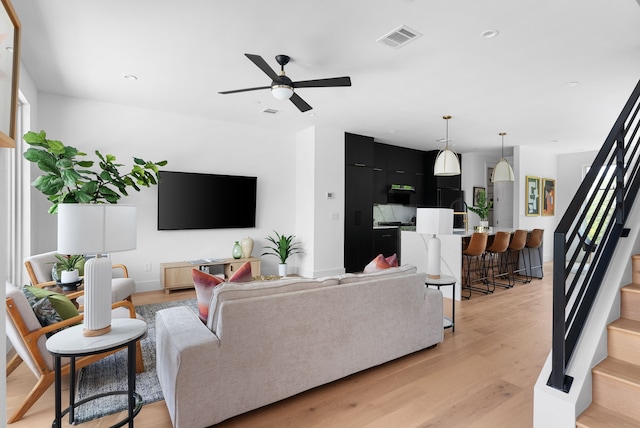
[(139, 360), (43, 384), (13, 364)]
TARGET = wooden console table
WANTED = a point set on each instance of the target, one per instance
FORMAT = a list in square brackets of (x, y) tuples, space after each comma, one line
[(177, 275)]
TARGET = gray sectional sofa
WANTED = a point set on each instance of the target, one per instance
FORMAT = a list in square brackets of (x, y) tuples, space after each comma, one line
[(269, 340)]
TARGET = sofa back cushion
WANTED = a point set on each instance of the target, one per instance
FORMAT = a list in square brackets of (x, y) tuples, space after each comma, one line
[(234, 291), (359, 277)]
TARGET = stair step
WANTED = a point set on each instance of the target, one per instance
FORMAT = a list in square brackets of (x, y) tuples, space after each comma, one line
[(624, 339), (630, 301), (597, 416), (616, 386)]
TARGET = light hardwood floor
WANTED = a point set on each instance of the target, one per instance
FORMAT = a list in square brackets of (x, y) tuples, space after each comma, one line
[(480, 376)]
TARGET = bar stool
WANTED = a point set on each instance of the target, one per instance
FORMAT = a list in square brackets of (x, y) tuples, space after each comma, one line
[(497, 260), (516, 246), (535, 242), (473, 256)]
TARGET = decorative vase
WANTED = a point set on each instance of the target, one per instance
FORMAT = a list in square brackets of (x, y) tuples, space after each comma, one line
[(484, 223), (237, 250), (247, 247), (68, 276), (282, 269)]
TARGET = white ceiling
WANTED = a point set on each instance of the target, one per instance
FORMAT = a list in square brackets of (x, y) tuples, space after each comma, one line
[(185, 52)]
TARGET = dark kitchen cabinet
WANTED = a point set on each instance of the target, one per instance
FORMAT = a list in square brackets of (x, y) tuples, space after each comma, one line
[(358, 240), (358, 150), (386, 241)]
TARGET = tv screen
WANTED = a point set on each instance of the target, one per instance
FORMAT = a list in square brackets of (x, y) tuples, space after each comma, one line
[(188, 200)]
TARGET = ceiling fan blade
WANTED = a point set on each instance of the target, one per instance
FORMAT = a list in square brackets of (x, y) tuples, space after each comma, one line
[(300, 103), (323, 83), (262, 65), (245, 90)]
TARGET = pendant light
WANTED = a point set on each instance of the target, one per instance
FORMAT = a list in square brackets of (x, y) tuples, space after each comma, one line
[(447, 162), (502, 171)]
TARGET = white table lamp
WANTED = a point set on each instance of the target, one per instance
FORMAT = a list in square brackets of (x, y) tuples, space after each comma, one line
[(96, 229)]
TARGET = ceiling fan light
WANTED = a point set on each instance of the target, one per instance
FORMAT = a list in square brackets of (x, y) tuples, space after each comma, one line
[(502, 172), (447, 163), (282, 92)]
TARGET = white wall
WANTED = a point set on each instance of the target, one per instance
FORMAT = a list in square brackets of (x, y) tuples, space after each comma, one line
[(189, 144), (570, 168), (529, 160), (319, 218)]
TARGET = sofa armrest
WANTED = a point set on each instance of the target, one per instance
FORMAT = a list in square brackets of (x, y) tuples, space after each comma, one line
[(186, 355)]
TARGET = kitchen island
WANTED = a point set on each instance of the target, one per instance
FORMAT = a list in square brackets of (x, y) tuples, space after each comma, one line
[(414, 251)]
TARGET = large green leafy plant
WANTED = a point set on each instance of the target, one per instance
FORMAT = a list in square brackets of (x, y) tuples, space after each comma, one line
[(67, 179), (283, 247), (482, 208)]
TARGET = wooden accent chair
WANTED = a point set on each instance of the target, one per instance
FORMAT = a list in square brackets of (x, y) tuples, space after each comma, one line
[(39, 270), (29, 340)]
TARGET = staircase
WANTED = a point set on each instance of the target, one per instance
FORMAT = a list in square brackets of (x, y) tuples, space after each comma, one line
[(616, 380)]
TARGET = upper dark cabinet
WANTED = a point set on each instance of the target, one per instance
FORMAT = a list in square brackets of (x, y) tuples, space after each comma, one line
[(358, 150)]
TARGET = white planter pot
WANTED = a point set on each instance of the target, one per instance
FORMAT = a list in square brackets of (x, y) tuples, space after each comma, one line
[(484, 223), (68, 276), (282, 269)]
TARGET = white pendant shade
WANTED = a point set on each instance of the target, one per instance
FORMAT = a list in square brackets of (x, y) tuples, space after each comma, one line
[(447, 163), (282, 92), (502, 172)]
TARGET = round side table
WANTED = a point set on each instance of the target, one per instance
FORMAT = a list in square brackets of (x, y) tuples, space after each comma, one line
[(444, 281), (72, 343)]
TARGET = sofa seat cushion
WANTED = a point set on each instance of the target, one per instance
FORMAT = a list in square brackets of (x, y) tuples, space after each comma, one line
[(234, 290)]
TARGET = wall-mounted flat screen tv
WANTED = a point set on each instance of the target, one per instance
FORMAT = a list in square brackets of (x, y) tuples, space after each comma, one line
[(188, 200)]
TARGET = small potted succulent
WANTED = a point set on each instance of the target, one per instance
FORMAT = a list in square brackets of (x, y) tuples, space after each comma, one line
[(283, 247), (69, 264), (482, 209)]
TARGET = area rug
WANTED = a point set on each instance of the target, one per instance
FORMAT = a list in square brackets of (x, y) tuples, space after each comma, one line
[(110, 373)]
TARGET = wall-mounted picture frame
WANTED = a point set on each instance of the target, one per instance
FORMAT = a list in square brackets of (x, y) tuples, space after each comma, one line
[(9, 70), (532, 192), (476, 193), (548, 196)]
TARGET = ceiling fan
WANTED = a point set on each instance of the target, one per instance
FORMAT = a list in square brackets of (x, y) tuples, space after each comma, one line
[(283, 88)]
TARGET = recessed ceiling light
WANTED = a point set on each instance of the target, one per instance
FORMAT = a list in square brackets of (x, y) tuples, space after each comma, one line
[(487, 34), (571, 84), (130, 77)]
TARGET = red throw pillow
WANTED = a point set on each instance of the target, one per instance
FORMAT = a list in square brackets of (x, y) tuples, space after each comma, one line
[(392, 260), (243, 274), (379, 263), (204, 285)]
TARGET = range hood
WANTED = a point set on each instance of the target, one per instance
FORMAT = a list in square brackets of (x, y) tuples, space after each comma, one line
[(401, 188)]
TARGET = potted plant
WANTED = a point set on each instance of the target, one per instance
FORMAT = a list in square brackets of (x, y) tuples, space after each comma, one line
[(482, 208), (67, 179), (283, 247), (68, 263)]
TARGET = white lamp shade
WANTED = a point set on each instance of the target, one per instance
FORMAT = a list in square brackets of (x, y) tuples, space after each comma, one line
[(502, 172), (447, 163), (96, 228), (282, 92), (434, 221)]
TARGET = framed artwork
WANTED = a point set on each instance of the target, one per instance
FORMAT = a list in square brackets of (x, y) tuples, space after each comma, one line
[(9, 70), (532, 190), (548, 196), (476, 193)]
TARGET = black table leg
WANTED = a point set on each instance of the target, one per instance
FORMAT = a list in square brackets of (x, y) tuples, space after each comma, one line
[(72, 390), (57, 423), (131, 354)]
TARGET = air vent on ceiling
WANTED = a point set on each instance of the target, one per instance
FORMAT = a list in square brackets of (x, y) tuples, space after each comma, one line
[(270, 111), (399, 37)]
